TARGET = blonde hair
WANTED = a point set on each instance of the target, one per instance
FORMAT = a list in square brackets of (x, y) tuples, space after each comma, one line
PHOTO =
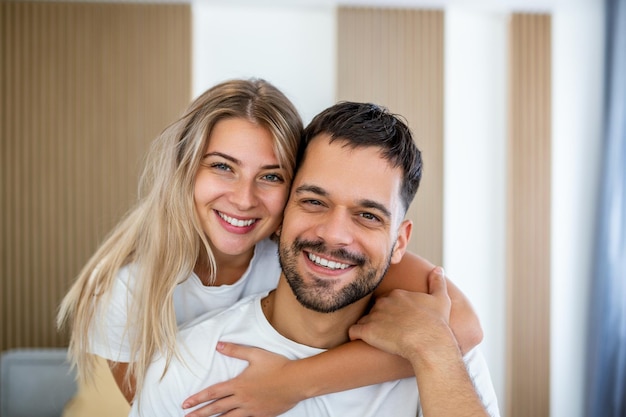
[(161, 235)]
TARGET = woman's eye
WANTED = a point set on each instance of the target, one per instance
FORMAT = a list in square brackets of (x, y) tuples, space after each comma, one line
[(273, 178), (221, 166)]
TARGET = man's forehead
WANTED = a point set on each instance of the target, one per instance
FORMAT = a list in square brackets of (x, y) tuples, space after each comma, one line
[(322, 147), (323, 143), (361, 171)]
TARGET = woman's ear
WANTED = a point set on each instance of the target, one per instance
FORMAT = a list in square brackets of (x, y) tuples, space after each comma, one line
[(402, 241)]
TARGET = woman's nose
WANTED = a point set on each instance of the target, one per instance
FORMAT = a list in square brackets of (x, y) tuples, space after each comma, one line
[(244, 197)]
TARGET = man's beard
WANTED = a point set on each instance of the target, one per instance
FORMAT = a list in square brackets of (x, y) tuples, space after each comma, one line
[(320, 295)]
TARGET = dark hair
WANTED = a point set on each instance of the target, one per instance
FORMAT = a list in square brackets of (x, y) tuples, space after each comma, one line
[(366, 125)]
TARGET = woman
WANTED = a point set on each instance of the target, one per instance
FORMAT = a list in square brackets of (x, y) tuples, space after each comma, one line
[(212, 194)]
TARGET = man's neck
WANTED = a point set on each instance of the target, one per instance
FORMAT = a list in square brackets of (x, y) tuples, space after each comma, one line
[(305, 326)]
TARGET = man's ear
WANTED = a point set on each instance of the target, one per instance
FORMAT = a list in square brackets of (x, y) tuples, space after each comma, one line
[(402, 241), (276, 235)]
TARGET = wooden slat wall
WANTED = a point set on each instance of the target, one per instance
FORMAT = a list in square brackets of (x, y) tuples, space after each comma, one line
[(528, 264), (394, 57), (84, 87)]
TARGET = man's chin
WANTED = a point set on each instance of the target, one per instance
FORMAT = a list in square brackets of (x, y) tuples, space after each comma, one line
[(318, 305)]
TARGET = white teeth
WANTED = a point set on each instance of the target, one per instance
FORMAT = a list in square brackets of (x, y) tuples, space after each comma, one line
[(236, 222), (326, 263)]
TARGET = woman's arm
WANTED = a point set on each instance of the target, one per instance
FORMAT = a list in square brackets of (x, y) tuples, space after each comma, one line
[(411, 274), (272, 385), (445, 385)]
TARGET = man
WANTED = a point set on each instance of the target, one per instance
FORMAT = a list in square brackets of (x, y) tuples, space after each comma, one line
[(343, 226)]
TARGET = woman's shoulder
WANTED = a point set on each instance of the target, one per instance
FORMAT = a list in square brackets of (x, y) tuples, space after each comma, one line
[(227, 316), (265, 256), (267, 247), (125, 281), (264, 270), (126, 276)]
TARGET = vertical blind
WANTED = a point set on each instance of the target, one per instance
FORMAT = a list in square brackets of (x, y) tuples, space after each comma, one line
[(84, 88), (528, 246), (394, 57)]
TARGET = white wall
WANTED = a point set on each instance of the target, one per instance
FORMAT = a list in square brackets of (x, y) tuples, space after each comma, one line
[(292, 44), (475, 152), (577, 47), (292, 47), (475, 171)]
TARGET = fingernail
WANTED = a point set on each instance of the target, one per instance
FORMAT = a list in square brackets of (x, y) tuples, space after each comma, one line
[(439, 270), (220, 346)]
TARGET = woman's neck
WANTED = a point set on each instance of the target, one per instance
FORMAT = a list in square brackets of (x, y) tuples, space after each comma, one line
[(229, 268)]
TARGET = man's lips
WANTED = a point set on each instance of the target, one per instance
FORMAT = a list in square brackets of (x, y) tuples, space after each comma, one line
[(326, 262)]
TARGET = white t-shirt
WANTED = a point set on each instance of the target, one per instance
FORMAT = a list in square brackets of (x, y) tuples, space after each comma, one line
[(245, 323), (108, 337)]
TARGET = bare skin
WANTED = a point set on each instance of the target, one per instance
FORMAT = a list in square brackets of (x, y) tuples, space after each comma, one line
[(425, 339), (288, 382), (337, 217), (272, 382), (255, 390)]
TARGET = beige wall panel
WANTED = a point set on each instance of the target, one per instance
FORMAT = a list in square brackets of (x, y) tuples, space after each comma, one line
[(394, 57), (528, 263), (84, 87)]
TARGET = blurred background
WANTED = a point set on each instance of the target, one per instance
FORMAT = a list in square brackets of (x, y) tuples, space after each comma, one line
[(505, 99)]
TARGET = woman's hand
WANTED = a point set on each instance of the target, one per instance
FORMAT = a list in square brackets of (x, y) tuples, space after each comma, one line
[(408, 323), (261, 390), (411, 275)]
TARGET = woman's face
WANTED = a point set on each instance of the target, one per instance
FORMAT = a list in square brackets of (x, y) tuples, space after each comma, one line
[(240, 190)]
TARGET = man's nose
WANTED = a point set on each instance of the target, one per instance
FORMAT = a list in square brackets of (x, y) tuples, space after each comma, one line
[(336, 229)]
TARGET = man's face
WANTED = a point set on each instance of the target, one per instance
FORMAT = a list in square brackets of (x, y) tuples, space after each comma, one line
[(342, 225)]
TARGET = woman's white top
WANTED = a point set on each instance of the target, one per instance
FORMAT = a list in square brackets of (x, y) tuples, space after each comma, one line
[(108, 335)]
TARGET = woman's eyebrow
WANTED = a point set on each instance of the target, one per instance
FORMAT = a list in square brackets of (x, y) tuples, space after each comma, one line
[(272, 167), (223, 155), (238, 162)]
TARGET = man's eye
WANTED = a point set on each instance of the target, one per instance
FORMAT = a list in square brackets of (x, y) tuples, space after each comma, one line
[(370, 217), (312, 202)]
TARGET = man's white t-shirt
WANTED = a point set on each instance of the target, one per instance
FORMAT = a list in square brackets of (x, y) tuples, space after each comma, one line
[(245, 323), (108, 335)]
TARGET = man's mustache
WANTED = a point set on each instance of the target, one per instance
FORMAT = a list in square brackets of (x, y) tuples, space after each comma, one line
[(321, 248)]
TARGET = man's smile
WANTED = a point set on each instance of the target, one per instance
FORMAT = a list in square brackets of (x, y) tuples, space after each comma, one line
[(326, 263)]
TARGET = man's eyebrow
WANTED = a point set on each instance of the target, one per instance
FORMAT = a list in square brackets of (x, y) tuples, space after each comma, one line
[(375, 205), (237, 161), (311, 189)]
